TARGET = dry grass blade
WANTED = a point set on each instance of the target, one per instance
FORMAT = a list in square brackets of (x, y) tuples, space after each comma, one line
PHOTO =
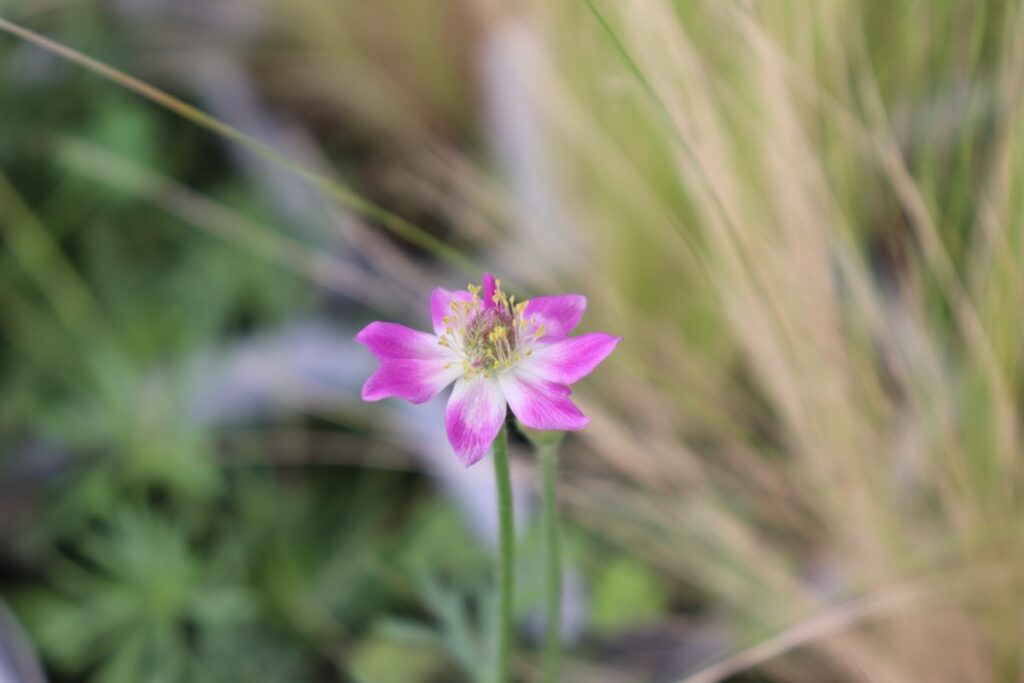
[(885, 604), (142, 182), (392, 222)]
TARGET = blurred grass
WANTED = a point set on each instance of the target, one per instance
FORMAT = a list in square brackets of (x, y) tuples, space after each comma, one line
[(804, 219)]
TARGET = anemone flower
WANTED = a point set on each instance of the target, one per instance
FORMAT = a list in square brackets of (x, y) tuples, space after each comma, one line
[(498, 352)]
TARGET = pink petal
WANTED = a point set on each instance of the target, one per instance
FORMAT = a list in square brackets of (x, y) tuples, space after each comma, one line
[(559, 314), (416, 380), (568, 360), (414, 366), (541, 404), (391, 340), (440, 305), (490, 287), (475, 413)]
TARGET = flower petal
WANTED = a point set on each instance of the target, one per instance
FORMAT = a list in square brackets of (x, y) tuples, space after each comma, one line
[(390, 341), (475, 413), (490, 287), (413, 365), (568, 360), (541, 404), (440, 305), (415, 380), (558, 314)]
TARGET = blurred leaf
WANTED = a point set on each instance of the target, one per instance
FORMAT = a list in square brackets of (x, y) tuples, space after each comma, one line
[(626, 593), (383, 660)]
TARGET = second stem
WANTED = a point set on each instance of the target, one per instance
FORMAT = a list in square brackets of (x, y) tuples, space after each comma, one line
[(553, 575)]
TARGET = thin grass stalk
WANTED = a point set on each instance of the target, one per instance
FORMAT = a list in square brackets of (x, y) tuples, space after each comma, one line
[(347, 197)]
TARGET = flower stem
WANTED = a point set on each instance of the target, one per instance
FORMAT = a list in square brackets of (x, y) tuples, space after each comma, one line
[(507, 558), (553, 576)]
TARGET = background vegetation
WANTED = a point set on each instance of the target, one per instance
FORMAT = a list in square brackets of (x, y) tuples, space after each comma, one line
[(805, 219)]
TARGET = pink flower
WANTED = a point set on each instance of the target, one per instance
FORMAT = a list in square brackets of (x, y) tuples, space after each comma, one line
[(498, 352)]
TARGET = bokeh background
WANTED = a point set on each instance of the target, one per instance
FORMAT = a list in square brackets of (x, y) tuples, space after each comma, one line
[(804, 218)]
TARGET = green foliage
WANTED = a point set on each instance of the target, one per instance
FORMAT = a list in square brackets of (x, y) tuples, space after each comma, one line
[(626, 593), (377, 660)]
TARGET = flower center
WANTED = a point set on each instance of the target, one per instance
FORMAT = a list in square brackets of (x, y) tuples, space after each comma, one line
[(489, 338)]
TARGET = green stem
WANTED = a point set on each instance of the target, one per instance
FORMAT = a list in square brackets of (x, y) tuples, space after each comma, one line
[(507, 557), (553, 578)]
